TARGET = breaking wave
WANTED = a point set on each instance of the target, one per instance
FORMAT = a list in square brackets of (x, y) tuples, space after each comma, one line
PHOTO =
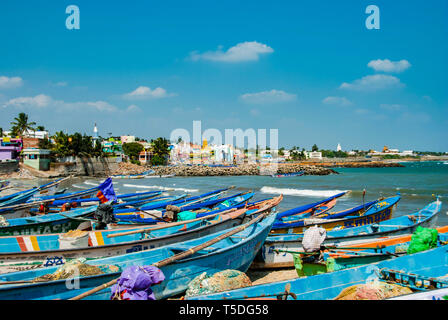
[(300, 192)]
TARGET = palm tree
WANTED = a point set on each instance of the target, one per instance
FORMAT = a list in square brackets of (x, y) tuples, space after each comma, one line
[(160, 150), (21, 124)]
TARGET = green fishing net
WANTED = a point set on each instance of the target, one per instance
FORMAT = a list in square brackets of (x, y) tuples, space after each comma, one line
[(423, 239)]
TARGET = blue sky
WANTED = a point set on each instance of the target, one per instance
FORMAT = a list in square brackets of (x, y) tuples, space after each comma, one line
[(311, 69)]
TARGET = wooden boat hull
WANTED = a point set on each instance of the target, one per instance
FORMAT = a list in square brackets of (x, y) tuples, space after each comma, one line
[(44, 250), (235, 253), (267, 258), (104, 247), (328, 286)]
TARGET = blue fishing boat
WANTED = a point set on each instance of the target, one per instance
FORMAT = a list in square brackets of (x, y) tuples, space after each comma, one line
[(45, 250), (133, 176), (406, 224), (308, 209), (322, 212), (380, 211), (181, 201), (233, 252), (50, 223), (29, 192), (423, 268), (292, 174), (205, 207), (137, 198)]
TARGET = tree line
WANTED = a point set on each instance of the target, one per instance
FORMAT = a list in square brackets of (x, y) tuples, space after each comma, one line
[(62, 144)]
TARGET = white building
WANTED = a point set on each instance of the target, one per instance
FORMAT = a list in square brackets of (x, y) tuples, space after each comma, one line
[(338, 148), (30, 134), (313, 155), (127, 139), (223, 153), (95, 135)]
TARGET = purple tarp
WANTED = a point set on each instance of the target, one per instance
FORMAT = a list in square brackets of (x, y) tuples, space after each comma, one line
[(135, 283)]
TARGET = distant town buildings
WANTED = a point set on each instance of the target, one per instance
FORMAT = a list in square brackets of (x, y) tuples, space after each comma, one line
[(387, 151), (187, 152)]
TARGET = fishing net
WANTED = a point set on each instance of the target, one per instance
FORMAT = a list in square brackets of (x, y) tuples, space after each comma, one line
[(423, 239), (76, 268), (402, 248), (220, 281), (372, 291)]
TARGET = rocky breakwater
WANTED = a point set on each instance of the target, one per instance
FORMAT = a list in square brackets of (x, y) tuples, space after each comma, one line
[(354, 164), (241, 170)]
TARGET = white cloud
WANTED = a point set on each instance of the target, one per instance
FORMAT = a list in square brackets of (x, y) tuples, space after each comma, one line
[(143, 92), (43, 101), (98, 105), (38, 101), (273, 96), (418, 117), (244, 51), (340, 101), (361, 111), (133, 108), (373, 83), (60, 84), (389, 66), (7, 82), (392, 107)]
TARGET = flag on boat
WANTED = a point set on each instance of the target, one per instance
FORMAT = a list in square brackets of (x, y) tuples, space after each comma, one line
[(106, 192)]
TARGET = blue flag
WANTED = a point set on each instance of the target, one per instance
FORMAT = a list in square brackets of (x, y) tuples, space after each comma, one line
[(107, 190)]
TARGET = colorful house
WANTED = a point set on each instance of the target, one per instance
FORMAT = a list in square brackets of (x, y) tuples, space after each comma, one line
[(37, 158), (10, 148)]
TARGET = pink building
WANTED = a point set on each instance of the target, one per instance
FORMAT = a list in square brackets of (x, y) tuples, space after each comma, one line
[(10, 148)]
